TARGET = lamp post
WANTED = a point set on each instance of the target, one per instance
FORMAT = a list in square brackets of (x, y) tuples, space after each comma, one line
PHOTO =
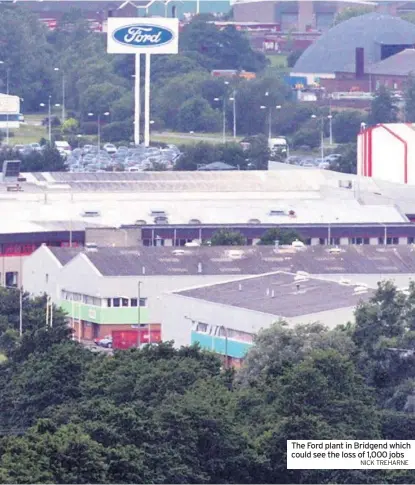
[(7, 92), (329, 117), (223, 113), (233, 99), (49, 117), (270, 118), (99, 127), (63, 94)]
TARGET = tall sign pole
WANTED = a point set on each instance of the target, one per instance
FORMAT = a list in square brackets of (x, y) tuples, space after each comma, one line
[(137, 100), (147, 90), (147, 36)]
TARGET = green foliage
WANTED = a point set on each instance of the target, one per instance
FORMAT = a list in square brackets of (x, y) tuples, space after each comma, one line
[(70, 126), (410, 99), (196, 114), (346, 125), (220, 49), (309, 137), (224, 237), (383, 108), (293, 57), (47, 160), (348, 161), (284, 236), (117, 131), (162, 415)]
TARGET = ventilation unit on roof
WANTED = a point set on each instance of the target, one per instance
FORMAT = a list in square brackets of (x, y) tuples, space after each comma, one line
[(254, 221), (277, 212), (335, 250), (303, 273), (179, 252), (345, 282), (297, 244), (300, 277), (157, 213), (91, 246), (141, 222), (235, 254), (161, 220), (345, 184), (195, 221), (192, 244)]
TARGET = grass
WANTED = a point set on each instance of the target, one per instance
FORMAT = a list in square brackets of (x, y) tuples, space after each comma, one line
[(189, 139), (278, 60), (3, 358)]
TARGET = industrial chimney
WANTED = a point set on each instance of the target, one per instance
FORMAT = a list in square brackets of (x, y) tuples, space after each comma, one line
[(360, 62)]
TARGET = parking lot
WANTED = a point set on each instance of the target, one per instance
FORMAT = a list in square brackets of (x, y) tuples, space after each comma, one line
[(90, 158)]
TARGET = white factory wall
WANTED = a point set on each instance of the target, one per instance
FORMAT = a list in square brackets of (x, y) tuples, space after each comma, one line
[(80, 276), (180, 311), (40, 272), (12, 264), (387, 155)]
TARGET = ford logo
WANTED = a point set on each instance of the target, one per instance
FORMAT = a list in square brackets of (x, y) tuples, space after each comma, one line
[(143, 35)]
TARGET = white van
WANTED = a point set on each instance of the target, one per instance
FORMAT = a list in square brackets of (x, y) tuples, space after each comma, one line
[(63, 147)]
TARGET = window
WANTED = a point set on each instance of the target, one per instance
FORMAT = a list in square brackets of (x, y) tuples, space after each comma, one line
[(124, 301), (335, 241), (366, 240), (202, 327), (133, 302), (11, 278), (392, 240), (322, 241), (116, 302), (109, 302), (411, 240), (308, 241), (380, 240), (143, 301)]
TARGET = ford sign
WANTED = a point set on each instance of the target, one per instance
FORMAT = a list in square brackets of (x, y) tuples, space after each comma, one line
[(143, 35)]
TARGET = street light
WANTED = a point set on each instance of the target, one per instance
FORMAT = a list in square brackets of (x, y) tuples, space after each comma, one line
[(7, 92), (329, 117), (49, 117), (233, 99), (63, 94), (99, 127)]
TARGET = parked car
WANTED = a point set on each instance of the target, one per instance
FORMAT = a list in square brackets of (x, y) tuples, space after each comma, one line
[(105, 342), (110, 148)]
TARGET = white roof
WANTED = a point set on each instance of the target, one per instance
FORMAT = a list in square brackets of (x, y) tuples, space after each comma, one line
[(313, 195)]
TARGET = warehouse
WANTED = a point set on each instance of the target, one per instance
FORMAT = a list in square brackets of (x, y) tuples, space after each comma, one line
[(377, 36), (99, 287), (225, 317), (387, 152)]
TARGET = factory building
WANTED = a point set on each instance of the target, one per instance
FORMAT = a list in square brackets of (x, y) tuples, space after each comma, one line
[(387, 152)]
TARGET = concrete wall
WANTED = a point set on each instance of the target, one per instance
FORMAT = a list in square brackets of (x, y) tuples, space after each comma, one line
[(113, 237), (179, 313), (11, 264)]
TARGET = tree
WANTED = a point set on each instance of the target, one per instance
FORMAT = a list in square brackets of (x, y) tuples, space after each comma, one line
[(347, 163), (220, 49), (350, 12), (309, 137), (284, 237), (196, 155), (70, 126), (293, 57), (223, 237), (410, 99), (383, 108), (346, 125), (258, 153), (197, 115), (47, 160)]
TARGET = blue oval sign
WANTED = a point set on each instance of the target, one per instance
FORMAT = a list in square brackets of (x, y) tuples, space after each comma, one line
[(143, 35)]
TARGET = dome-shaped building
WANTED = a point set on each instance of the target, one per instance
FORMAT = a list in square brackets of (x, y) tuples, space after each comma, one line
[(378, 36)]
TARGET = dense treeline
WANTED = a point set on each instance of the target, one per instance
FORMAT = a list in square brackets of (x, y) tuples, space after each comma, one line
[(160, 415)]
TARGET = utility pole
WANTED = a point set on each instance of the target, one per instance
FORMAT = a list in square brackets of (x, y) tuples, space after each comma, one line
[(21, 311), (7, 92), (234, 114), (50, 122), (139, 313)]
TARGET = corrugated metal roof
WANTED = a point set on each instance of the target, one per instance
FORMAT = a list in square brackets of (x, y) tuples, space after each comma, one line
[(400, 64), (147, 261), (280, 295)]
